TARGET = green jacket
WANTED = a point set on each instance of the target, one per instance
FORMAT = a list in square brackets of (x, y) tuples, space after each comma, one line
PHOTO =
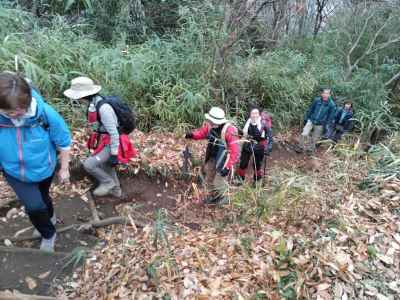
[(321, 112)]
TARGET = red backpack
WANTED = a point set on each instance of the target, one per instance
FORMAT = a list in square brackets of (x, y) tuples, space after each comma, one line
[(266, 119)]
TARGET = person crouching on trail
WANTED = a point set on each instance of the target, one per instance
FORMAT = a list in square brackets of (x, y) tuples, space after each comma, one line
[(221, 155), (343, 121), (320, 114), (31, 132), (109, 140), (258, 143)]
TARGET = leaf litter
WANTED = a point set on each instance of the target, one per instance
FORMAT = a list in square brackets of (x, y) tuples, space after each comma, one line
[(322, 238)]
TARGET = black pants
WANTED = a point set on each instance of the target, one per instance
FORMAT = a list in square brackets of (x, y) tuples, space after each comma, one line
[(253, 154), (37, 202)]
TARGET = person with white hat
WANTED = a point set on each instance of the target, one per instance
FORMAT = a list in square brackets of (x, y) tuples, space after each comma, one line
[(222, 152), (108, 140)]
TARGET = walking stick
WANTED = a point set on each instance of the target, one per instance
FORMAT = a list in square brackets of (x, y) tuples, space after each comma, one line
[(187, 156), (265, 168)]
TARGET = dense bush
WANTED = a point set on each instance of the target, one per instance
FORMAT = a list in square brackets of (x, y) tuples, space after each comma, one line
[(171, 79)]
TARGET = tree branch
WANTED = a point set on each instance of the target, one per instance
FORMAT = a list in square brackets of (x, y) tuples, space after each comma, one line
[(393, 79)]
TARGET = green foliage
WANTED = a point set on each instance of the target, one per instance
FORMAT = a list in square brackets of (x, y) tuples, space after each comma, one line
[(77, 257), (171, 80), (372, 252), (386, 164)]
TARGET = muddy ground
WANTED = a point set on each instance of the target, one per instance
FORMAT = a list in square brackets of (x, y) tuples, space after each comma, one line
[(146, 196)]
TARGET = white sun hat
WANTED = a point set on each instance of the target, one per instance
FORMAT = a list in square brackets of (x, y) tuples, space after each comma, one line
[(216, 115), (82, 87)]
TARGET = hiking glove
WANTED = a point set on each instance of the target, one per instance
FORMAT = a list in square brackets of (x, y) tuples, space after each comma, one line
[(189, 135), (113, 160), (224, 172)]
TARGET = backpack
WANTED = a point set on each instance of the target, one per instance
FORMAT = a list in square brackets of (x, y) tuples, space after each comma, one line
[(266, 119), (126, 116)]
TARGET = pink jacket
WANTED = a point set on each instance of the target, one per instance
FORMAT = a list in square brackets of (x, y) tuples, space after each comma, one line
[(231, 139)]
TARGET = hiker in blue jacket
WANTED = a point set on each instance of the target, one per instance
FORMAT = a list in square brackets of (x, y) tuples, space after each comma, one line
[(343, 121), (320, 114), (31, 133)]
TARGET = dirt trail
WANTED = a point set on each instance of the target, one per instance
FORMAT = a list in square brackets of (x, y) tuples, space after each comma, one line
[(146, 196)]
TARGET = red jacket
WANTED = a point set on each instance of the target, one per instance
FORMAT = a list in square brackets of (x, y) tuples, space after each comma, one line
[(231, 139)]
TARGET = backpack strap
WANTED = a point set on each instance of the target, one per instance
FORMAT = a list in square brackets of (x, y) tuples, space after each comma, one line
[(224, 130)]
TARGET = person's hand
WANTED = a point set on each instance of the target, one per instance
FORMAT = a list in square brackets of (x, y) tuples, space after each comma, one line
[(224, 172), (267, 152), (113, 160), (64, 176), (189, 135)]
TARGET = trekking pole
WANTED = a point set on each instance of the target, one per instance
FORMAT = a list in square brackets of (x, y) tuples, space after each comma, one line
[(265, 168), (187, 156)]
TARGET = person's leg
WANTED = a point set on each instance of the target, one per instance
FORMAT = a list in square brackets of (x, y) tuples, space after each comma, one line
[(305, 134), (338, 135), (316, 136), (244, 163), (96, 166), (44, 188), (31, 197), (219, 189), (259, 158), (116, 191), (209, 170)]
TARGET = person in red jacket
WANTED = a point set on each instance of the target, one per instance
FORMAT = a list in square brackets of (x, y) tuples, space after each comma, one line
[(222, 153)]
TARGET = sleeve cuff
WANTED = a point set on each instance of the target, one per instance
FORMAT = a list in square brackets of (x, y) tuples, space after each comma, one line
[(64, 148)]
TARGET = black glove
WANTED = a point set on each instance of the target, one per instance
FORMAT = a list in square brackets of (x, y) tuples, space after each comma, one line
[(224, 172), (113, 160), (267, 152), (189, 135)]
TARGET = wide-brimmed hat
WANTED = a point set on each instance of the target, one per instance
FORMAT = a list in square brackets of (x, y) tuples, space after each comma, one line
[(216, 115), (82, 87)]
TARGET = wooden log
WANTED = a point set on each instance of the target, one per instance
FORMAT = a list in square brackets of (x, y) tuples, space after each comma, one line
[(94, 224), (18, 296), (31, 251)]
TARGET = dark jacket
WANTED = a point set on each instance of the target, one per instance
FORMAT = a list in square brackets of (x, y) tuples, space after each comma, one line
[(321, 112), (344, 118)]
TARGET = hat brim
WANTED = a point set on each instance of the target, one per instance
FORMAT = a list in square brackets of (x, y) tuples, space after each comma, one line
[(215, 121), (74, 94)]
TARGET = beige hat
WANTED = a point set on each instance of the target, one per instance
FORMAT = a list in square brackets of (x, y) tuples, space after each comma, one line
[(216, 115), (82, 87)]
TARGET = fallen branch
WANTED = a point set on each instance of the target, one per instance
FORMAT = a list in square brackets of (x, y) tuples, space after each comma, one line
[(15, 296), (93, 224)]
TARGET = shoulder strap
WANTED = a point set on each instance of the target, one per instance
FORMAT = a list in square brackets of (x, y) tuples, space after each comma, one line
[(224, 130)]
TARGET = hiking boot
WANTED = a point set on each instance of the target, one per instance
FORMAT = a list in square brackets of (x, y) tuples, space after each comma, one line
[(310, 152), (104, 189), (298, 149), (210, 200), (53, 220), (48, 244), (116, 192), (216, 200)]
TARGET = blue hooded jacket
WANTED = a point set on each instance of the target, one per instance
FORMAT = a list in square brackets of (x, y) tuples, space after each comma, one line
[(344, 118), (28, 153), (321, 112)]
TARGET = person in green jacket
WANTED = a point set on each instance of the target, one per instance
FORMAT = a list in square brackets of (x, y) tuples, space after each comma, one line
[(320, 114)]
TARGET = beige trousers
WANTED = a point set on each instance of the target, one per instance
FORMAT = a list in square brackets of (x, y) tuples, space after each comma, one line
[(315, 136)]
